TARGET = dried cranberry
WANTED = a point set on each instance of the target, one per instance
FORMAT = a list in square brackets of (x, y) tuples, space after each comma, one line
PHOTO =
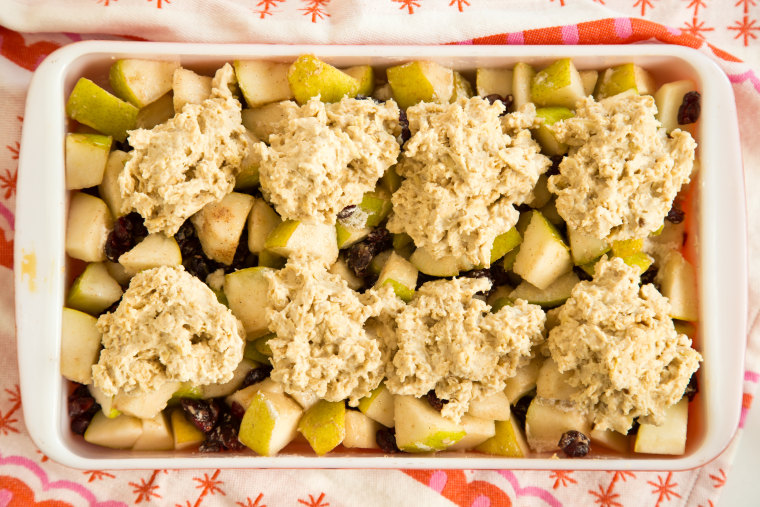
[(403, 122), (237, 410), (80, 423), (199, 266), (256, 375), (187, 239), (203, 414), (649, 275), (675, 215), (690, 108), (81, 402), (210, 445), (227, 432), (386, 440), (521, 408), (574, 444), (498, 275), (126, 233), (506, 100), (434, 401), (347, 212), (692, 388)]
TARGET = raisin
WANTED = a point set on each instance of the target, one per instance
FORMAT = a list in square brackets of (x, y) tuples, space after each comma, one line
[(675, 215), (210, 445), (649, 275), (243, 257), (80, 423), (634, 427), (498, 275), (81, 402), (403, 122), (556, 161), (692, 388), (126, 233), (187, 239), (574, 444), (122, 145), (386, 440), (380, 239), (256, 375), (346, 212), (199, 266), (690, 108), (506, 100), (203, 414), (477, 273), (521, 408), (359, 255), (434, 401), (237, 410)]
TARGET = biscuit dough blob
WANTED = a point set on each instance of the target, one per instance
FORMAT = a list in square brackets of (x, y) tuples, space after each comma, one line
[(619, 346), (465, 168), (622, 171), (168, 326), (178, 167), (449, 341), (328, 157), (321, 344)]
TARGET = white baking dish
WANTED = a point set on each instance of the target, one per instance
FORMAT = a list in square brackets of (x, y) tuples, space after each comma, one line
[(41, 263)]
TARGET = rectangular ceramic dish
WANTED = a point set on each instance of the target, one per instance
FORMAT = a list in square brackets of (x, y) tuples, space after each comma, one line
[(40, 268)]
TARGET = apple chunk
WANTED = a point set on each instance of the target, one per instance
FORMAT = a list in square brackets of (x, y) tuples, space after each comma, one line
[(220, 224), (118, 433), (86, 157), (189, 88), (669, 437), (246, 292), (142, 81), (80, 345), (109, 186), (262, 82), (94, 290), (91, 105), (87, 228), (154, 251)]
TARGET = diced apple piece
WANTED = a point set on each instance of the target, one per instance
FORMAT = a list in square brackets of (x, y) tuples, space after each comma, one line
[(184, 432), (494, 406), (589, 78), (86, 157), (366, 77), (109, 186), (524, 380), (669, 437), (189, 88), (80, 345), (504, 243), (219, 225), (557, 85), (146, 405), (420, 81), (157, 112), (269, 423), (246, 292), (420, 428), (87, 228), (401, 274), (262, 82), (553, 385), (543, 255), (261, 222), (154, 251), (678, 283), (341, 269), (269, 119), (244, 396), (585, 248), (324, 425), (462, 88), (624, 77), (424, 261), (93, 106), (105, 401), (292, 236), (311, 77), (610, 439), (94, 290), (156, 435), (544, 133), (508, 440), (118, 433), (554, 295), (232, 385), (379, 406), (545, 423), (669, 98), (522, 77), (490, 81), (361, 431), (477, 431), (141, 81)]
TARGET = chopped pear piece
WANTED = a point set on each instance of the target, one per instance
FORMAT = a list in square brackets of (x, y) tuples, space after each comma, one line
[(341, 269), (585, 248), (624, 77), (244, 396), (490, 81), (508, 440), (669, 437), (189, 88), (477, 431), (546, 422), (219, 225), (390, 181), (589, 78), (377, 263), (91, 105), (524, 380), (383, 93), (557, 85), (379, 406), (94, 290), (246, 292), (269, 119), (361, 431), (420, 428), (118, 433), (554, 295), (248, 177), (543, 255), (105, 401), (184, 432), (232, 385), (366, 77), (347, 235), (541, 194), (401, 274), (504, 243), (80, 345), (420, 81), (157, 112), (262, 82), (678, 283), (424, 261), (87, 228), (610, 439), (499, 298), (156, 435), (292, 236), (522, 77), (377, 206), (141, 81), (109, 186), (639, 260), (544, 133), (627, 247), (86, 157), (462, 88), (495, 406), (261, 222), (553, 385), (324, 425), (311, 77), (146, 405), (269, 423), (154, 251), (669, 98)]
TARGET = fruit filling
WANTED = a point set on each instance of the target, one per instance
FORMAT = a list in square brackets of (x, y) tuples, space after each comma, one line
[(290, 254)]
